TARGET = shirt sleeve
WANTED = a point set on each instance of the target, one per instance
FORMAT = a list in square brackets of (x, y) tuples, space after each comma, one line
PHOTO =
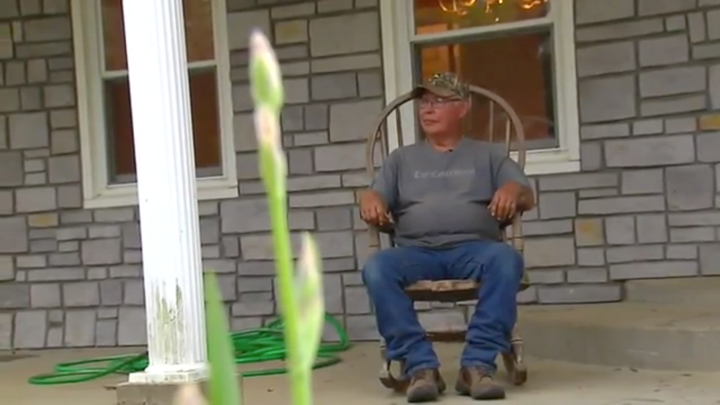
[(506, 170), (385, 182)]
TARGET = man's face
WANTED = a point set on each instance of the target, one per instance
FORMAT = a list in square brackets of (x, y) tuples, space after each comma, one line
[(439, 115)]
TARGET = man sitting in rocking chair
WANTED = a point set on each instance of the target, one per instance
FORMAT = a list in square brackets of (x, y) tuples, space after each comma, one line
[(446, 199)]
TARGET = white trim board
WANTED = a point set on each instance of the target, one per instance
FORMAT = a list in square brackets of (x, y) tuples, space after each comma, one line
[(398, 37), (87, 38)]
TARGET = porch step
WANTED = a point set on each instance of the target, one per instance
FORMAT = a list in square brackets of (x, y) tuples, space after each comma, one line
[(642, 335), (696, 291)]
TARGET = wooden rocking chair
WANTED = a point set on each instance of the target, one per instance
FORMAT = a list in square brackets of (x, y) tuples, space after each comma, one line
[(453, 291)]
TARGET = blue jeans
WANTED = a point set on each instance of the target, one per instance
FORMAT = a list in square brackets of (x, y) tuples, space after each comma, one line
[(498, 266)]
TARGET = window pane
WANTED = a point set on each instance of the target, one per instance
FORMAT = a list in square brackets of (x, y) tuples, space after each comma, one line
[(198, 32), (206, 127), (517, 67), (447, 15)]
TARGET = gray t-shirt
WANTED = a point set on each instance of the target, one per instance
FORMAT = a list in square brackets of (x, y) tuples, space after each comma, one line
[(440, 199)]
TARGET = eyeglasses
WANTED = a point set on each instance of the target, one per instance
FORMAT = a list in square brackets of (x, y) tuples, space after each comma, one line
[(436, 102)]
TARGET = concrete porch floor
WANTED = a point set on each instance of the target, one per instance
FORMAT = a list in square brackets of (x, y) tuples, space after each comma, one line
[(354, 382)]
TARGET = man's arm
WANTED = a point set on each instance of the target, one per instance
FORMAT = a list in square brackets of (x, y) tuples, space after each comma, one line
[(385, 182), (513, 191)]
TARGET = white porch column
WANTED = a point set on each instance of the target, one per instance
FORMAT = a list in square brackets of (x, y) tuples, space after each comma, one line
[(172, 263)]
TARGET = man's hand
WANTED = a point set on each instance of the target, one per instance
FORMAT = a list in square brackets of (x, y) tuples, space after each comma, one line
[(508, 199), (373, 209)]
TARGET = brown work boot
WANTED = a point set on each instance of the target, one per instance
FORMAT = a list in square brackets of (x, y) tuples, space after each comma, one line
[(478, 384), (425, 386)]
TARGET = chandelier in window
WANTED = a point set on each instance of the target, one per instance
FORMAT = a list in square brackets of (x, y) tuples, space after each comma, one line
[(462, 7)]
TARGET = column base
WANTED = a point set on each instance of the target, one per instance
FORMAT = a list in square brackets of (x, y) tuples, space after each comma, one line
[(165, 375), (149, 394)]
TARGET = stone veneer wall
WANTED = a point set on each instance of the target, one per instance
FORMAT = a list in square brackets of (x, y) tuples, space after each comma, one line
[(644, 205)]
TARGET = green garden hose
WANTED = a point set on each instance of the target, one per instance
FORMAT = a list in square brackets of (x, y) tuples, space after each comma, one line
[(251, 346)]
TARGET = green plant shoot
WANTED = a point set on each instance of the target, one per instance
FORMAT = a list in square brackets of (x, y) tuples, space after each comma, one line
[(301, 293)]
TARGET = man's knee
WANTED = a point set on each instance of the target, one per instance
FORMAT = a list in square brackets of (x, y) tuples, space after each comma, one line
[(378, 269), (506, 260)]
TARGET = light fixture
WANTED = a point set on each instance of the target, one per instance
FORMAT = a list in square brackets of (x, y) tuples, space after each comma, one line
[(461, 7), (457, 7)]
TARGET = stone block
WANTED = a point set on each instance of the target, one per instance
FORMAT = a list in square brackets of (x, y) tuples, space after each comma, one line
[(710, 259), (546, 228), (707, 144), (606, 58), (345, 34), (549, 252), (589, 232), (11, 169), (621, 205), (30, 329), (332, 219), (656, 7), (106, 333), (584, 181), (587, 275), (607, 99), (297, 90), (653, 269), (64, 169), (339, 157), (698, 30), (247, 166), (650, 151), (362, 328), (713, 26), (300, 161), (346, 63), (29, 130), (238, 22), (331, 6), (60, 95), (311, 138), (603, 131), (628, 254), (244, 132), (620, 230), (579, 293), (84, 294), (333, 86), (132, 329), (80, 328), (689, 187), (689, 235), (294, 10), (677, 105), (47, 29), (549, 276), (714, 86), (589, 11), (98, 252), (353, 121), (591, 257), (682, 252), (557, 205), (316, 117), (667, 50), (370, 84), (291, 32), (675, 23), (651, 228), (673, 81), (325, 199), (645, 181), (591, 156), (13, 235)]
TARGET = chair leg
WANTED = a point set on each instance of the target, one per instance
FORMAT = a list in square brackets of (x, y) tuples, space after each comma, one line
[(387, 379), (515, 359)]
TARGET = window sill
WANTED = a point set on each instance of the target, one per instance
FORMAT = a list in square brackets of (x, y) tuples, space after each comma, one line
[(549, 161), (126, 195)]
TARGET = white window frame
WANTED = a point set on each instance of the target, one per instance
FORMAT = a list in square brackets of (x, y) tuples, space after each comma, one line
[(398, 38), (89, 56)]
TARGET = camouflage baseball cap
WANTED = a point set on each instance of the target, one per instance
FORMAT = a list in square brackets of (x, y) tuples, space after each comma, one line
[(443, 85)]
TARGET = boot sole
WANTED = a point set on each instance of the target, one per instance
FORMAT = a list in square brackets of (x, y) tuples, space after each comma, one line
[(428, 393), (487, 393)]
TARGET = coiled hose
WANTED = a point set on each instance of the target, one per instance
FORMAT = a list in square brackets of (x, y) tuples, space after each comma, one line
[(251, 346)]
